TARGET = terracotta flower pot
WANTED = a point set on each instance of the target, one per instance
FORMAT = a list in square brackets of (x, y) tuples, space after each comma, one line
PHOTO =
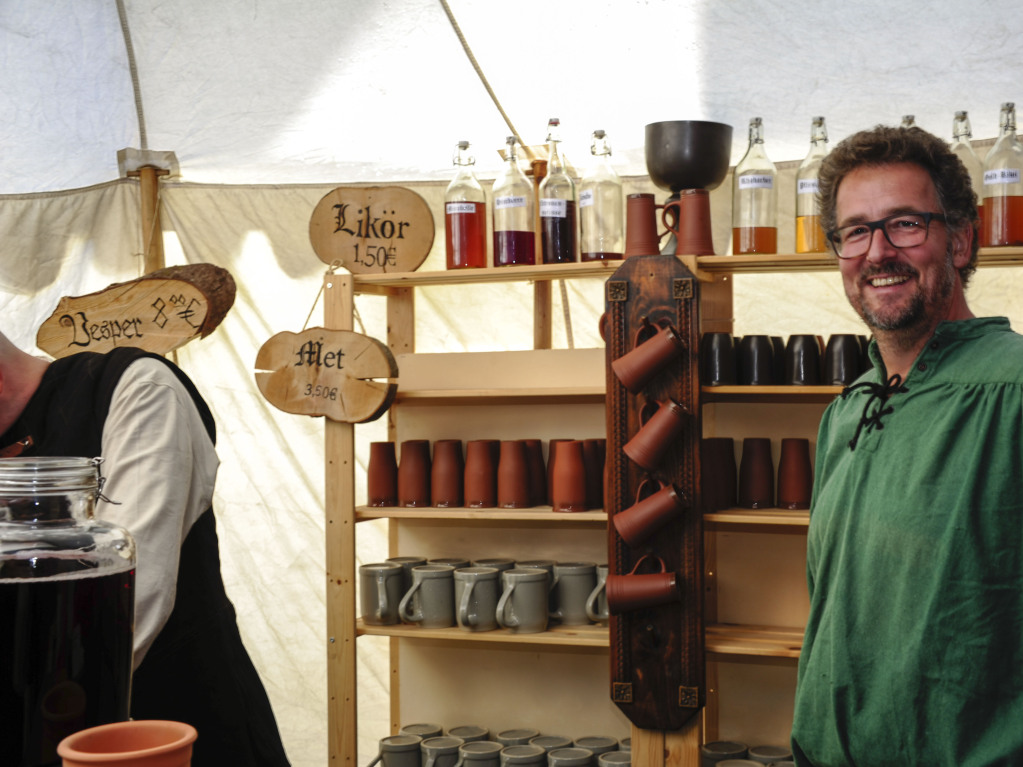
[(141, 743)]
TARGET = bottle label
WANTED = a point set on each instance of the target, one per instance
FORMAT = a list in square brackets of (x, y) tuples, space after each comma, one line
[(553, 208), (501, 203), (1001, 176), (585, 198), (460, 207), (756, 181), (807, 186)]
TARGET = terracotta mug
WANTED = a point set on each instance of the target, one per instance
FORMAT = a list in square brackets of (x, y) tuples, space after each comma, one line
[(795, 474), (692, 228), (662, 423), (649, 513), (480, 475), (447, 473), (138, 743), (635, 591), (551, 463), (569, 477), (414, 473), (756, 474), (382, 475), (654, 347), (641, 238), (513, 491)]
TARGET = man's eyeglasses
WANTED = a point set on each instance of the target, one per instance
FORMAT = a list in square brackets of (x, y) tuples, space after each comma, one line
[(903, 230)]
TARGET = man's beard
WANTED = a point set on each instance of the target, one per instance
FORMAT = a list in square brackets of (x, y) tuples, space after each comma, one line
[(921, 305)]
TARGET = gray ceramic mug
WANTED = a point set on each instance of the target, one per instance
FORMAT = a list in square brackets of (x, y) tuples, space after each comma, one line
[(517, 737), (398, 751), (422, 729), (573, 583), (523, 756), (523, 603), (547, 565), (476, 595), (550, 742), (479, 753), (431, 600), (407, 563), (614, 759), (598, 744), (570, 757), (596, 603), (440, 751), (380, 593), (469, 733)]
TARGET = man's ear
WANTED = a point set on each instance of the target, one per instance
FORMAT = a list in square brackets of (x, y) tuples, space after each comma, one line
[(962, 245)]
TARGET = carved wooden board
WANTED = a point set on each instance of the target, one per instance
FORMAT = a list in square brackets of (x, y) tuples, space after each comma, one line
[(657, 653), (339, 374), (158, 312), (372, 230)]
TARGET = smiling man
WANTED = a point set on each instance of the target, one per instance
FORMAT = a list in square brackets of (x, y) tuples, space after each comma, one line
[(913, 652)]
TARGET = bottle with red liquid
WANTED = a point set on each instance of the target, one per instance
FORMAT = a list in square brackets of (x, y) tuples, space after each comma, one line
[(465, 214), (809, 235), (1003, 186), (67, 608), (514, 232), (601, 217), (557, 204), (755, 198), (963, 149)]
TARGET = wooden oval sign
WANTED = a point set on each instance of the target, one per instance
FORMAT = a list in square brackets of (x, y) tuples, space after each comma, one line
[(371, 230), (339, 374)]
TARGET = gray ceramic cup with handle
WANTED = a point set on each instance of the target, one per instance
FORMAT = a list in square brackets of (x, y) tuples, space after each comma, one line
[(380, 591), (399, 751), (523, 756), (441, 751), (523, 603), (479, 753), (596, 603), (570, 757), (573, 583), (431, 600), (477, 590)]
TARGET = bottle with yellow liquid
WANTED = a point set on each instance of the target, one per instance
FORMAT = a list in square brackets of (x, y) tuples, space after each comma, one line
[(755, 198), (963, 149), (1003, 186), (809, 235)]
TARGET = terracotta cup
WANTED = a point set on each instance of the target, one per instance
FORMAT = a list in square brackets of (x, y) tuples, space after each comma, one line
[(756, 474), (692, 227), (569, 478), (795, 474), (641, 238), (803, 360), (136, 743), (717, 359), (635, 590), (650, 512), (842, 359), (593, 458), (382, 475), (537, 472), (662, 423), (513, 476), (718, 473), (653, 349), (756, 361), (552, 455), (480, 475), (414, 473), (447, 473)]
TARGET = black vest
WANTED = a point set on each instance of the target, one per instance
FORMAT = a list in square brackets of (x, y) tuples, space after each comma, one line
[(197, 670)]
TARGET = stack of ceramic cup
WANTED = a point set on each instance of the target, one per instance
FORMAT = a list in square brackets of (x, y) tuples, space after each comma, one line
[(753, 484), (762, 360)]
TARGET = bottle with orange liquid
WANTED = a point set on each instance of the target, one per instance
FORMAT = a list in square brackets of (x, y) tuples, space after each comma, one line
[(755, 198), (809, 235), (514, 206), (963, 149), (465, 214), (1003, 186)]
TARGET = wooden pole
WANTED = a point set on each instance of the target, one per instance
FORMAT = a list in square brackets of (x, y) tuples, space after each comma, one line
[(542, 335), (149, 202)]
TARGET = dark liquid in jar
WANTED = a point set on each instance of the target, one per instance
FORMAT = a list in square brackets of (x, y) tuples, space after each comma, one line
[(65, 660), (513, 248), (559, 236)]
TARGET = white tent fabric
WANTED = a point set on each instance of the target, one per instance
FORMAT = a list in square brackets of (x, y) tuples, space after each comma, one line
[(269, 105)]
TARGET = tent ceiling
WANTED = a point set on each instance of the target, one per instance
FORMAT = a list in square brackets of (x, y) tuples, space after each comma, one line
[(295, 91)]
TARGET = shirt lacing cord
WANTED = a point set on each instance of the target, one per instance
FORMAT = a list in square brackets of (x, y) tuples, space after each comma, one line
[(879, 393)]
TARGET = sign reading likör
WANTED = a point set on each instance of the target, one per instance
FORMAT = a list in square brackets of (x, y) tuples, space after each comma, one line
[(371, 230)]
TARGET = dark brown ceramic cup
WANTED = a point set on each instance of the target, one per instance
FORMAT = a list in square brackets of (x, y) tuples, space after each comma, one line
[(414, 473), (636, 590), (803, 360), (650, 512), (756, 361), (756, 474), (717, 360), (480, 475), (593, 459), (447, 473), (662, 423), (842, 359), (795, 474), (537, 472), (382, 475), (718, 473)]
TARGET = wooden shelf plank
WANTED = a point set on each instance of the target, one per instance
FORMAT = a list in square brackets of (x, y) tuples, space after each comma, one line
[(493, 396), (571, 636), (769, 394), (381, 283), (533, 515), (758, 520), (731, 640)]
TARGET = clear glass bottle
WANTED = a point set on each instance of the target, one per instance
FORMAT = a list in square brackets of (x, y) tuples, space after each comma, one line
[(465, 214), (67, 584), (755, 198), (809, 235), (1003, 185), (601, 206), (963, 149), (557, 204), (908, 121), (514, 210)]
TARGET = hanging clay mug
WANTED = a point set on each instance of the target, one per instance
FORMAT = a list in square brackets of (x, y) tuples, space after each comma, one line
[(654, 347), (649, 513), (636, 590)]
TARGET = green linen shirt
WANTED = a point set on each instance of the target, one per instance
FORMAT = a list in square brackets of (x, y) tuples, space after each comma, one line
[(913, 653)]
